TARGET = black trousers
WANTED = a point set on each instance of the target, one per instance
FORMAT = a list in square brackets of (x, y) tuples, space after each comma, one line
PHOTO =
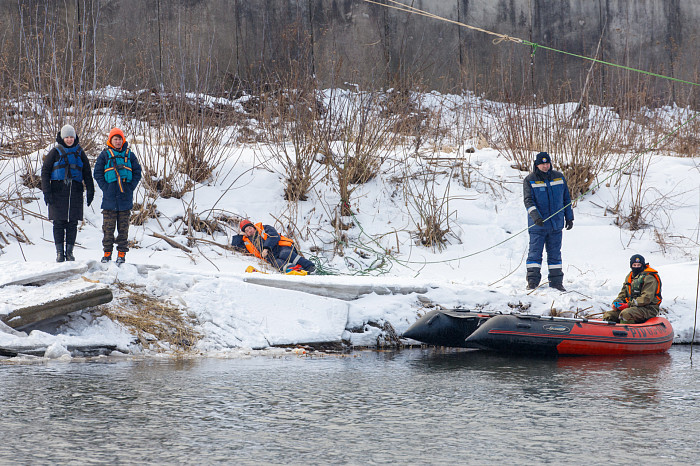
[(65, 230)]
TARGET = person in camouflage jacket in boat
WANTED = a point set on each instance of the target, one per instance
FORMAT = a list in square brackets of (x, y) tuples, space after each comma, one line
[(640, 296)]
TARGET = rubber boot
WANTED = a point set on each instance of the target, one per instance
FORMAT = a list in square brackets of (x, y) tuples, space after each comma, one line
[(533, 277), (107, 257), (556, 279), (557, 286), (121, 257), (60, 256), (69, 252)]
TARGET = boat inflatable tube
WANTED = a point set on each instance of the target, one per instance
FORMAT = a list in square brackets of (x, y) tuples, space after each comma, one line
[(446, 327), (532, 334)]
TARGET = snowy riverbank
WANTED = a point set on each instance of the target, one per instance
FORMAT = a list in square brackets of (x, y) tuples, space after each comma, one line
[(480, 267)]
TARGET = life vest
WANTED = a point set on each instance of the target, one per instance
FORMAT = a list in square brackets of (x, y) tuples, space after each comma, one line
[(69, 165), (118, 168), (634, 285), (284, 241)]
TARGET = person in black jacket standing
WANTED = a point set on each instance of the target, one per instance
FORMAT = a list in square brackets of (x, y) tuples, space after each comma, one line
[(64, 175)]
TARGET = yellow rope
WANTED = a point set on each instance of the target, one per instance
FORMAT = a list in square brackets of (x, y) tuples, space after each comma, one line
[(413, 10), (493, 246), (503, 37)]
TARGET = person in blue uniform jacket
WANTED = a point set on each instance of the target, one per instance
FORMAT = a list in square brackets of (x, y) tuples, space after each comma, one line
[(548, 203)]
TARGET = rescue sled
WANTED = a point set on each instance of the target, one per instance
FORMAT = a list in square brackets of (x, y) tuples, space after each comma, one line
[(446, 327), (532, 334)]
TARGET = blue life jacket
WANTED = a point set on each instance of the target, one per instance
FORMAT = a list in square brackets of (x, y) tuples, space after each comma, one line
[(69, 165), (118, 168)]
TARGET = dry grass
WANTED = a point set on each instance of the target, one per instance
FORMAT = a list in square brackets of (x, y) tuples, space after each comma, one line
[(141, 213), (160, 326), (195, 223)]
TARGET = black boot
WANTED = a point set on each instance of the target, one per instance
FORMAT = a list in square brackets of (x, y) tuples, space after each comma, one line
[(557, 286), (556, 279), (69, 252), (60, 257), (533, 277)]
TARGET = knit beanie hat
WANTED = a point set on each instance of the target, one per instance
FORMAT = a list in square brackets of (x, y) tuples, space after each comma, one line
[(244, 223), (542, 157), (637, 259), (68, 132), (115, 132)]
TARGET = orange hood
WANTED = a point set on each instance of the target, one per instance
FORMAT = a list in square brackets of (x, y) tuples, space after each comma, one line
[(115, 132)]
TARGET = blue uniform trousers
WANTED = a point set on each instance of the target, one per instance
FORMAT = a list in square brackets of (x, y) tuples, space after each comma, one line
[(289, 256), (541, 238)]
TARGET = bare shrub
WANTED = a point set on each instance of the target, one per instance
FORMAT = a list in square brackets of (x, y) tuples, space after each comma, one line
[(429, 200), (631, 204), (293, 138), (357, 141), (196, 131), (50, 82), (679, 130), (287, 107), (581, 152)]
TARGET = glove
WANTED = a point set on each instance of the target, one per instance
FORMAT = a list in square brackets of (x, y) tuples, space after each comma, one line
[(536, 217), (569, 224), (90, 197), (620, 306), (47, 198)]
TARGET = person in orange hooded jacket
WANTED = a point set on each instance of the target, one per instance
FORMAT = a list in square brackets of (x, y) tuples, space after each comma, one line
[(640, 296), (117, 173), (264, 242)]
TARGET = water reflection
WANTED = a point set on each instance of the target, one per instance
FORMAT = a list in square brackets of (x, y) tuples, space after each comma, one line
[(637, 379)]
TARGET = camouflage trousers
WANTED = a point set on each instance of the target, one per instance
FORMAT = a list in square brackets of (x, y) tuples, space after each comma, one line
[(118, 219), (632, 314)]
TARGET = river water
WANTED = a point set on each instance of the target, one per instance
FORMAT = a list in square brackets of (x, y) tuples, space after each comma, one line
[(413, 406)]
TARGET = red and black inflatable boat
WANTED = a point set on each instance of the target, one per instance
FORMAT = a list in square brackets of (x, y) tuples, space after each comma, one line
[(533, 334)]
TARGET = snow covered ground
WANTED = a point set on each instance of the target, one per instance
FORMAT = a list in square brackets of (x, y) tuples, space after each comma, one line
[(482, 267)]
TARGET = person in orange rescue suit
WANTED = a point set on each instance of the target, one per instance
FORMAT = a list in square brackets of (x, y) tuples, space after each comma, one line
[(264, 242), (640, 296), (117, 173)]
